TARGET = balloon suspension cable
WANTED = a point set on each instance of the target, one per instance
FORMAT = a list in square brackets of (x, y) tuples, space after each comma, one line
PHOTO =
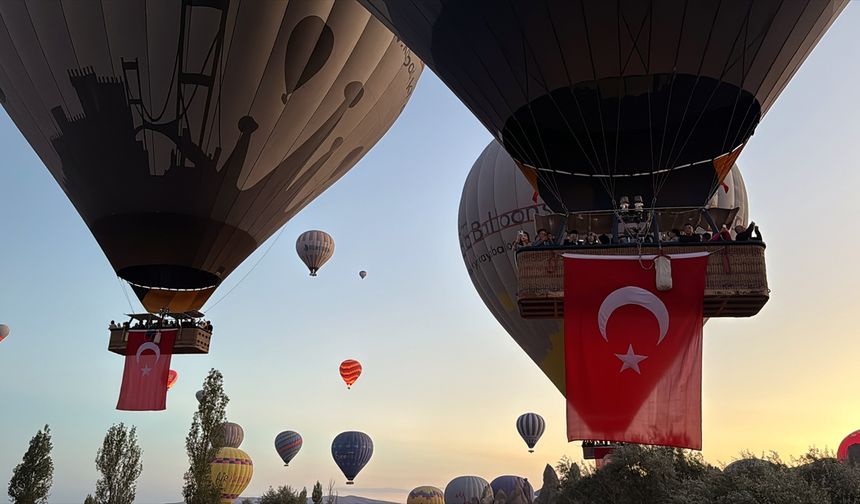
[(265, 253), (127, 298)]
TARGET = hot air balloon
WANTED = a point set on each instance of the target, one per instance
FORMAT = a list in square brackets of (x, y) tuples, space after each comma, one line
[(426, 495), (172, 377), (199, 395), (231, 435), (4, 331), (350, 370), (468, 490), (288, 444), (351, 451), (512, 485), (600, 100), (846, 445), (231, 470), (362, 274), (497, 202), (315, 248), (531, 427), (186, 133)]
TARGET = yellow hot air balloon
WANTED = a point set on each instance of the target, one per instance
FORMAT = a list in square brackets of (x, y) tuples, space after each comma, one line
[(231, 470), (426, 495)]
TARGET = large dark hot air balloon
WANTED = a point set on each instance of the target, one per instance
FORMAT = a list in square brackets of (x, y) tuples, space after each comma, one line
[(351, 451), (597, 100), (185, 133)]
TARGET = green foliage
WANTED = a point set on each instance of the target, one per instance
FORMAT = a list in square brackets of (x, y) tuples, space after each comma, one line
[(204, 435), (636, 474), (32, 478), (316, 494), (89, 499), (118, 461), (284, 495)]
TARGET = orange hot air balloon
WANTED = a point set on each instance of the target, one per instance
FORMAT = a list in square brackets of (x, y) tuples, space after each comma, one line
[(350, 370), (172, 376)]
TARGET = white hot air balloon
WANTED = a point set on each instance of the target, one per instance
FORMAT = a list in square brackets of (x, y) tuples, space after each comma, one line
[(497, 202), (468, 490), (315, 248)]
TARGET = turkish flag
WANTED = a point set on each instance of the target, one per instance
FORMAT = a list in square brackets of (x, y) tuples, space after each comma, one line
[(147, 362), (633, 354)]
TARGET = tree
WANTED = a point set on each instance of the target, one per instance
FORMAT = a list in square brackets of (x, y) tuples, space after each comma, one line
[(332, 495), (118, 461), (89, 499), (284, 495), (32, 478), (203, 437), (316, 494)]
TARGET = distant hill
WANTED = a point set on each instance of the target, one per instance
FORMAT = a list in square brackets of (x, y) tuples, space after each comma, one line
[(344, 499)]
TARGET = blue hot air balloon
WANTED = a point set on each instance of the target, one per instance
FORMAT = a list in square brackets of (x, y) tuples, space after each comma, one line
[(530, 427), (288, 444), (351, 450)]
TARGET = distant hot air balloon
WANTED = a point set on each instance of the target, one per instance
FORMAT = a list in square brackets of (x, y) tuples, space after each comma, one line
[(315, 248), (426, 495), (288, 444), (187, 133), (350, 370), (468, 490), (497, 202), (849, 441), (351, 451), (598, 100), (531, 427), (199, 395), (232, 435), (4, 331), (511, 485), (362, 274), (232, 470), (172, 377)]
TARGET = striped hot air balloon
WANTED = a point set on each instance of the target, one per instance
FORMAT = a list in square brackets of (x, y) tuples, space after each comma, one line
[(468, 490), (351, 451), (172, 378), (232, 435), (288, 444), (350, 370), (530, 427), (426, 495), (315, 248), (231, 470)]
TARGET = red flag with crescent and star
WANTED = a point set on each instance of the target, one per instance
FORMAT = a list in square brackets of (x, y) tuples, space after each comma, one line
[(633, 354), (147, 363)]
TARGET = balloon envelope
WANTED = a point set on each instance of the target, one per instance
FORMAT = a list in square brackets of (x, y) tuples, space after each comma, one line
[(199, 395), (351, 451), (511, 485), (232, 435), (172, 377), (4, 331), (288, 444), (531, 427), (426, 495), (597, 100), (232, 470), (186, 133), (362, 274), (350, 370), (315, 248), (497, 202), (468, 490), (849, 441)]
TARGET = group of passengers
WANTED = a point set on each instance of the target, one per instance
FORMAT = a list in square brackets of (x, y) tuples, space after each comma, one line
[(163, 324), (685, 235)]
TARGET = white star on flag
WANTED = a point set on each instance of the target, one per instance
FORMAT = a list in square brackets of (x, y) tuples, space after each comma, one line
[(631, 360)]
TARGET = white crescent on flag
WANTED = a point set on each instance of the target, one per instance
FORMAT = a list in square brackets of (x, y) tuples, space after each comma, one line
[(631, 295), (148, 346)]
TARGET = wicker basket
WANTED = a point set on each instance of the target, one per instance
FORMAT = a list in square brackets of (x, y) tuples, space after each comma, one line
[(189, 340), (736, 283)]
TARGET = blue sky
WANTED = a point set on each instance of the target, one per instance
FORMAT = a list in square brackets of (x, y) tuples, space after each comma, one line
[(443, 383)]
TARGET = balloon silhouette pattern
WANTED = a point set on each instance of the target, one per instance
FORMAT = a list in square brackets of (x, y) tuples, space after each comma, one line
[(288, 444), (531, 427), (186, 145), (351, 451), (350, 370)]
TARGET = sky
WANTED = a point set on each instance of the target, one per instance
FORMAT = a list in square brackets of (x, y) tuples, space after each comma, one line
[(443, 383)]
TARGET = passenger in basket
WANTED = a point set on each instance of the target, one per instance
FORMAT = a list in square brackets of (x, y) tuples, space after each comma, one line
[(572, 237), (747, 234), (543, 238), (523, 240), (688, 235)]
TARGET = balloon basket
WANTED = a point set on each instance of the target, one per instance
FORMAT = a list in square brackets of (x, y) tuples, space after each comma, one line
[(350, 483), (531, 451)]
